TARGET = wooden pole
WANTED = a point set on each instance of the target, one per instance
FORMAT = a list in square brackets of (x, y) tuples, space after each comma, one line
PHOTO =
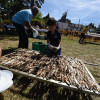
[(32, 3)]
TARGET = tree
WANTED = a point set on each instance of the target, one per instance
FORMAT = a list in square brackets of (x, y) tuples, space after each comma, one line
[(10, 7), (39, 3), (3, 2), (38, 20), (92, 25), (98, 29), (32, 3)]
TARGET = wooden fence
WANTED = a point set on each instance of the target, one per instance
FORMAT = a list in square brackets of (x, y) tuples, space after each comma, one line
[(90, 36)]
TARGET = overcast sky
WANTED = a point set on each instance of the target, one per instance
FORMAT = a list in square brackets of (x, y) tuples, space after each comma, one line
[(88, 11)]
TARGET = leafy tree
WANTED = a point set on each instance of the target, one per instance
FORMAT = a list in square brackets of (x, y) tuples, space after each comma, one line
[(37, 3), (3, 2), (38, 20), (92, 25), (98, 28), (10, 7)]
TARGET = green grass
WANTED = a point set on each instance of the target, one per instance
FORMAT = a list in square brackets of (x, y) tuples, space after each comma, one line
[(27, 89)]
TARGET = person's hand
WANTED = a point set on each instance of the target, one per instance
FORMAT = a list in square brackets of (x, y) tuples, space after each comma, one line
[(50, 46), (57, 48), (35, 32), (53, 48)]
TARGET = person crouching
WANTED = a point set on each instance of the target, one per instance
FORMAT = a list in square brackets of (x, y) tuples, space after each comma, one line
[(53, 38)]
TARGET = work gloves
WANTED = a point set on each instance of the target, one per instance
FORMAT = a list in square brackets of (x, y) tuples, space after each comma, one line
[(53, 48)]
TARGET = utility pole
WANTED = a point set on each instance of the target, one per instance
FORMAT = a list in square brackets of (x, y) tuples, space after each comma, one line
[(78, 24), (67, 13)]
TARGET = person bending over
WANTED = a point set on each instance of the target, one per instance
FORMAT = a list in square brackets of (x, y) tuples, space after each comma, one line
[(21, 19)]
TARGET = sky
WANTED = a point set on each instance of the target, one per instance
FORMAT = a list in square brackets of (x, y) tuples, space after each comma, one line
[(87, 11)]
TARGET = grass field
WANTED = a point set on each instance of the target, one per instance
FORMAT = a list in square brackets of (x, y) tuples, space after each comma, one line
[(28, 89)]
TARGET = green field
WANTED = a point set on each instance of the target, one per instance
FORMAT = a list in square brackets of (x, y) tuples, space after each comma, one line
[(28, 89)]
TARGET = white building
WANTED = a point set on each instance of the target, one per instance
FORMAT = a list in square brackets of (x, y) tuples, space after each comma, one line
[(62, 25), (69, 26)]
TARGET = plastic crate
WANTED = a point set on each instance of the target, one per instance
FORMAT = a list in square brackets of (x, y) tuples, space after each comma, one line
[(44, 48), (36, 46)]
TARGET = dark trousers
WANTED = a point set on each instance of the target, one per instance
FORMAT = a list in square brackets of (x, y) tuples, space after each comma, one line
[(82, 38), (23, 35)]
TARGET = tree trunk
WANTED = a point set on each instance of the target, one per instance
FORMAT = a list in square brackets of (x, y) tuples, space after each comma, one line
[(32, 3)]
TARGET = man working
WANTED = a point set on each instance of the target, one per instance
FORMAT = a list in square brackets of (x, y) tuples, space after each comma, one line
[(21, 19), (82, 38)]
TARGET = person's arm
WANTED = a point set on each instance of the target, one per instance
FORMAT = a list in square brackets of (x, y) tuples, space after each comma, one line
[(59, 37), (48, 41), (59, 44), (48, 37), (29, 26)]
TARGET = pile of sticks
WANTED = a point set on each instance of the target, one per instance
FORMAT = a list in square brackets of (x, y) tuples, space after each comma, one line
[(71, 71)]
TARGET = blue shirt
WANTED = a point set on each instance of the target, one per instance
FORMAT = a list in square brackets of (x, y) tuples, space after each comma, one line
[(23, 15), (54, 39)]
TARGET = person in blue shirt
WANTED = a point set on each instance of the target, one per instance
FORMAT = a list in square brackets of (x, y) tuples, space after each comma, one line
[(53, 38), (21, 19)]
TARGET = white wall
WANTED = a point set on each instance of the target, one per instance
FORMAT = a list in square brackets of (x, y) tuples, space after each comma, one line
[(62, 25)]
